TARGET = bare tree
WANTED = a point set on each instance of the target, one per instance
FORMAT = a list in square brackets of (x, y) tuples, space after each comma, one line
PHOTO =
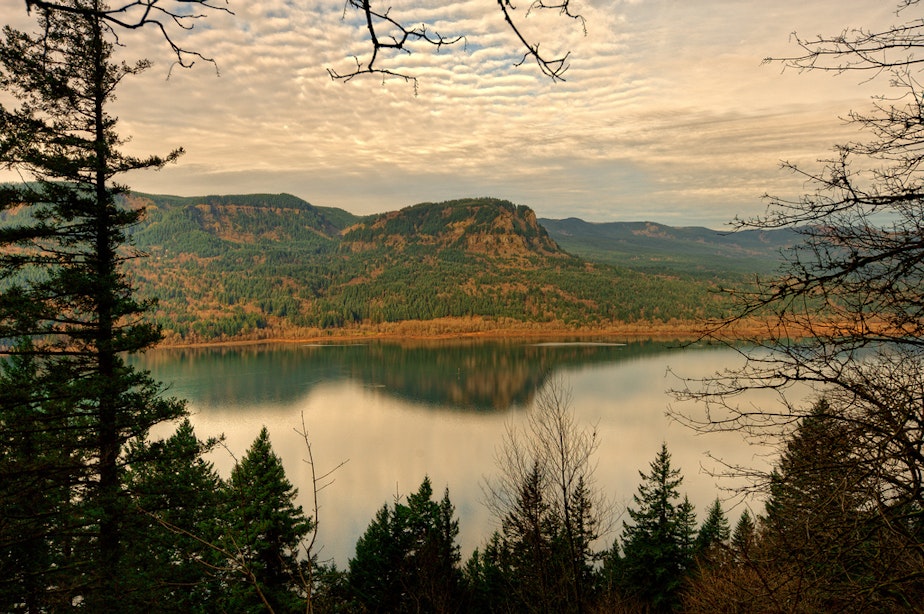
[(844, 315), (552, 461), (165, 16)]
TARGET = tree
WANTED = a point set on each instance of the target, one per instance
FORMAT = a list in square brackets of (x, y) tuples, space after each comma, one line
[(845, 313), (822, 524), (736, 582), (179, 494), (67, 310), (34, 491), (546, 502), (657, 544), (713, 536), (65, 296), (264, 533), (407, 560)]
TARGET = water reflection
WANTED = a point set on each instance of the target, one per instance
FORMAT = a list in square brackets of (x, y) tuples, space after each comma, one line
[(466, 376), (399, 412)]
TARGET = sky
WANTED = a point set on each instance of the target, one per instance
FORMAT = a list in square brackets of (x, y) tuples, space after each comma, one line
[(667, 114)]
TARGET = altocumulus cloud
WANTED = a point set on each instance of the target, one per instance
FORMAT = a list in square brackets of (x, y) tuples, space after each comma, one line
[(667, 113)]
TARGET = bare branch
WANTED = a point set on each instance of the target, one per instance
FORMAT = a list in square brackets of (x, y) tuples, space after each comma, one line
[(389, 34), (162, 15), (552, 67), (318, 483)]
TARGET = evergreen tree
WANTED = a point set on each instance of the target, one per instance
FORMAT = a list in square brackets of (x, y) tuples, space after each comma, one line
[(713, 536), (488, 577), (264, 532), (180, 495), (69, 308), (407, 559), (549, 512), (744, 537), (34, 493), (820, 523), (657, 544), (531, 536)]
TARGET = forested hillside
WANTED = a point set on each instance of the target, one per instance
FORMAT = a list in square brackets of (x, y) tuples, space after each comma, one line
[(266, 265), (656, 248)]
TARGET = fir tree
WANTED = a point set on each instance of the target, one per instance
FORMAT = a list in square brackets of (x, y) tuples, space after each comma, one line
[(820, 524), (179, 494), (657, 544), (744, 537), (407, 559), (713, 536), (265, 530), (68, 306)]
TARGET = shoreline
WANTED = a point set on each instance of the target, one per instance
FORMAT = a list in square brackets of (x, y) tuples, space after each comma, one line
[(476, 330)]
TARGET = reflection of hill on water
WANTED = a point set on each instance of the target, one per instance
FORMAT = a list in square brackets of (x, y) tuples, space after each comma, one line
[(468, 376)]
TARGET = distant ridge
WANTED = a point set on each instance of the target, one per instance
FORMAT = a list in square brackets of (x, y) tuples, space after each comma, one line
[(657, 248)]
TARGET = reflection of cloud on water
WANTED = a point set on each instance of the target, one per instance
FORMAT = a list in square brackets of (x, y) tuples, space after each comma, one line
[(392, 441), (555, 344), (389, 445)]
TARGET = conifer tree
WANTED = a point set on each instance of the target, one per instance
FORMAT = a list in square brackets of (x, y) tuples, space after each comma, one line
[(713, 536), (657, 544), (546, 503), (179, 493), (407, 559), (822, 526), (67, 304), (264, 532), (744, 537)]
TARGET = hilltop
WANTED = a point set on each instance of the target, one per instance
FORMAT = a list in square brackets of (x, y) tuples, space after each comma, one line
[(269, 266)]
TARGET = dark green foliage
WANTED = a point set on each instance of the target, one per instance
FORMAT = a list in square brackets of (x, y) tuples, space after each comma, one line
[(407, 560), (35, 470), (821, 524), (68, 314), (744, 537), (657, 544), (535, 551), (263, 534), (179, 495), (713, 538), (488, 578)]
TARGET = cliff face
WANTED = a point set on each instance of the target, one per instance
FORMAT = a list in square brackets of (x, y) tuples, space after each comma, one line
[(488, 228)]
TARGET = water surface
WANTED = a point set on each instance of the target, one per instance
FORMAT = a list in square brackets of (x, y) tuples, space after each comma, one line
[(396, 412)]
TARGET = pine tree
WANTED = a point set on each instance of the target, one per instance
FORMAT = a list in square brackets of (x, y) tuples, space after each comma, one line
[(33, 494), (264, 532), (531, 535), (179, 494), (67, 304), (744, 537), (713, 536), (657, 544), (820, 522), (407, 559)]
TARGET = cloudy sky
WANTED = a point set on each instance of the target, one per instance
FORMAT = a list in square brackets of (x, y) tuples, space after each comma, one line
[(667, 114)]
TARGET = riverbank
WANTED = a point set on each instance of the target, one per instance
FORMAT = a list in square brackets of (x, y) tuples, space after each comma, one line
[(478, 328)]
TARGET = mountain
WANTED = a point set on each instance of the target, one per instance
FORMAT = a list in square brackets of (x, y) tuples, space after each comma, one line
[(486, 226), (656, 248), (253, 266), (213, 224)]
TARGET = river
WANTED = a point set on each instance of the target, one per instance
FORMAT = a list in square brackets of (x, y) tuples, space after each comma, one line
[(395, 412)]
